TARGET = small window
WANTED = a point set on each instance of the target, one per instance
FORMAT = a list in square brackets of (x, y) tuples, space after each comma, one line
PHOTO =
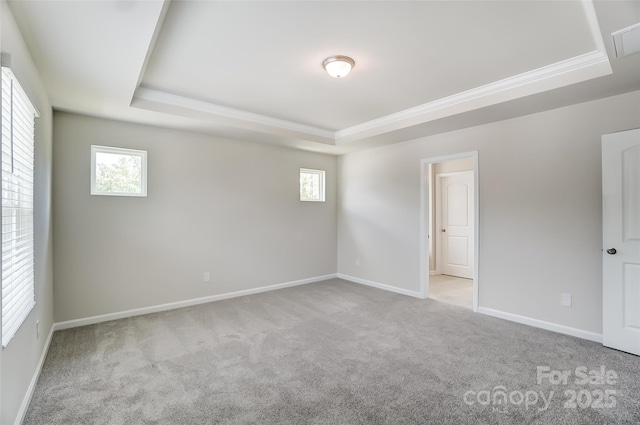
[(311, 185), (118, 171)]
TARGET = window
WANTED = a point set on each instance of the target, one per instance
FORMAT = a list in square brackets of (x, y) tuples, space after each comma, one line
[(311, 185), (118, 171), (18, 277)]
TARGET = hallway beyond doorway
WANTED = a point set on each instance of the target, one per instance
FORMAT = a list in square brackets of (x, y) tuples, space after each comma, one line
[(451, 290)]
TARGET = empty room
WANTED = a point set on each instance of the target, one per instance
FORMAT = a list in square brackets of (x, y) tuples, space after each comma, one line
[(320, 212)]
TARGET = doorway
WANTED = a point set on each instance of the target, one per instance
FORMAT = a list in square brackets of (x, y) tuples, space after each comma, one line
[(449, 221)]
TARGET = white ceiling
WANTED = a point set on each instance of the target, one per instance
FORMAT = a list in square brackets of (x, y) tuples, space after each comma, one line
[(252, 70)]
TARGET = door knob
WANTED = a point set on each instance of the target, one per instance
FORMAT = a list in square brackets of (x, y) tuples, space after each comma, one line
[(443, 230), (611, 251)]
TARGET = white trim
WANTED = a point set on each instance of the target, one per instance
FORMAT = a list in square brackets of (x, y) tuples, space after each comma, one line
[(586, 66), (580, 68), (436, 212), (170, 103), (95, 149), (425, 207), (536, 323), (152, 41), (373, 284), (594, 26), (34, 380), (563, 73), (425, 226), (321, 184), (180, 304)]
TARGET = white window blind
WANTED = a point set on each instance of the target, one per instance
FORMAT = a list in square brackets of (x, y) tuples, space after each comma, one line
[(18, 116)]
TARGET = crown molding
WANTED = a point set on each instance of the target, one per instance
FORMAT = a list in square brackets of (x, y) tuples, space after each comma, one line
[(160, 101), (574, 70), (570, 71), (580, 68)]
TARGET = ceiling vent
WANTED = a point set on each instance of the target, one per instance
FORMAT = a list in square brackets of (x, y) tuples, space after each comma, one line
[(627, 40)]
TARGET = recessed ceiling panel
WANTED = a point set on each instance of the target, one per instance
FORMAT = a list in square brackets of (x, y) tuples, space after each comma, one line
[(265, 57)]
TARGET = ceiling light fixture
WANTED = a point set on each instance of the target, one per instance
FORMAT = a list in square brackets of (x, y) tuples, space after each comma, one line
[(338, 66)]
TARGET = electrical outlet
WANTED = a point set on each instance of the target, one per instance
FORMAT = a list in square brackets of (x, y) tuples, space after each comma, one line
[(565, 300), (206, 277), (37, 329)]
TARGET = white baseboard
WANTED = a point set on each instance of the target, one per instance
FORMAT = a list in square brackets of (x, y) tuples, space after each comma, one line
[(567, 330), (380, 286), (34, 380), (186, 303)]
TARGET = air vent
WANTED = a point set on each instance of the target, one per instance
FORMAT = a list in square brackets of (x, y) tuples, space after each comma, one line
[(627, 40)]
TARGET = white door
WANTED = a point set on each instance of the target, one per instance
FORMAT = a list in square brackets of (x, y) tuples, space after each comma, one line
[(456, 224), (621, 238)]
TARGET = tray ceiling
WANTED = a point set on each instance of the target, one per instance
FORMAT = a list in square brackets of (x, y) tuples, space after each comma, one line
[(252, 70)]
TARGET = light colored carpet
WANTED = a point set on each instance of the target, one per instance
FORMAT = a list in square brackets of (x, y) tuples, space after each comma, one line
[(331, 352)]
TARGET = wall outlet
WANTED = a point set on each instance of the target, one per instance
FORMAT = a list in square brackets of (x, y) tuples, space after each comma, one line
[(206, 277), (37, 329), (357, 262), (565, 299)]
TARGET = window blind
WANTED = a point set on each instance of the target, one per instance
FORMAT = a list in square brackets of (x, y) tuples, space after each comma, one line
[(18, 277)]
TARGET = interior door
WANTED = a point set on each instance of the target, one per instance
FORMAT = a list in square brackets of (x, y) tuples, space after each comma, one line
[(456, 224), (621, 238)]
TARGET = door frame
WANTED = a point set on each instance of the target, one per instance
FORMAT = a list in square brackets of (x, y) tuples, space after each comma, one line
[(436, 211), (427, 189)]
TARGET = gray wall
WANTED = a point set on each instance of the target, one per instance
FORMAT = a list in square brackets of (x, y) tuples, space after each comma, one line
[(19, 360), (227, 207), (540, 209)]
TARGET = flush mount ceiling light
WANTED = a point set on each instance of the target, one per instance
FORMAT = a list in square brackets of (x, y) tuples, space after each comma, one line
[(338, 66)]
